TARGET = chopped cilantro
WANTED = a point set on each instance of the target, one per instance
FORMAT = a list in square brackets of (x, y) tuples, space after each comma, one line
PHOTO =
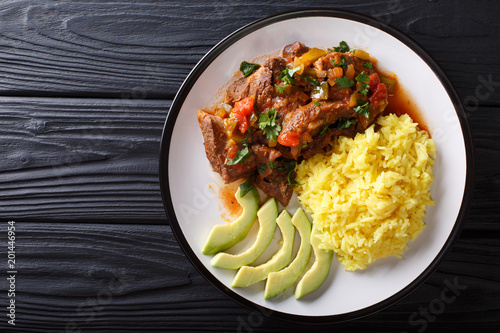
[(311, 80), (281, 88), (304, 146), (262, 167), (292, 182), (368, 65), (289, 165), (341, 124), (267, 123), (340, 64), (246, 187), (343, 47), (325, 129), (363, 79), (272, 165), (344, 82), (241, 156), (248, 68), (318, 104), (286, 75), (363, 110)]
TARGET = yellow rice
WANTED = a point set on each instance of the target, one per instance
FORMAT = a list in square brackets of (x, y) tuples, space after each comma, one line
[(368, 194)]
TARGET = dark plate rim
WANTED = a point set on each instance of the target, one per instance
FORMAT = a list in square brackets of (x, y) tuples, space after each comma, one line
[(209, 58)]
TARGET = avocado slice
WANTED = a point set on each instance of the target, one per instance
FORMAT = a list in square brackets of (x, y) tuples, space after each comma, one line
[(225, 236), (248, 275), (278, 282), (319, 270), (267, 215)]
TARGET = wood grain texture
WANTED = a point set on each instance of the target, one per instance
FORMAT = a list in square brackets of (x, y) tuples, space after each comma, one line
[(109, 48), (80, 159), (135, 278)]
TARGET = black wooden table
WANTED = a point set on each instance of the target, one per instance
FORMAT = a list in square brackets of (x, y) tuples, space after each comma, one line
[(85, 87)]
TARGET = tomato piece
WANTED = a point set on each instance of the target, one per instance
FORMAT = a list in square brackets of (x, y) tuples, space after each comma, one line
[(289, 139), (245, 106), (374, 81), (242, 122), (378, 95), (231, 152)]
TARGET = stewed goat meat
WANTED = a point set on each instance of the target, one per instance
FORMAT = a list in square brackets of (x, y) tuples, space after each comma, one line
[(288, 109)]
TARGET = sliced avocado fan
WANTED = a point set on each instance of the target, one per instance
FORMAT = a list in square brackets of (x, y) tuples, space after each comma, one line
[(267, 215), (319, 270), (225, 236), (248, 275), (278, 282)]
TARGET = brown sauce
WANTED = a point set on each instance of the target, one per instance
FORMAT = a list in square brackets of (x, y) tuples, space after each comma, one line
[(400, 103), (227, 201)]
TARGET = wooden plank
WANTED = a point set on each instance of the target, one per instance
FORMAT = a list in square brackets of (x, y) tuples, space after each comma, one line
[(135, 278), (74, 159), (107, 49), (97, 159), (485, 210)]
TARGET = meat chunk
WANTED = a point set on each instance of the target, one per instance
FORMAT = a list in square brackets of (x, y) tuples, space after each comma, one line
[(312, 117), (294, 50), (276, 65), (259, 84), (215, 142), (317, 145), (264, 155), (275, 185)]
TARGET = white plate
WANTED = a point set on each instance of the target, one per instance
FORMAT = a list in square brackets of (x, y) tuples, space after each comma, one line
[(185, 173)]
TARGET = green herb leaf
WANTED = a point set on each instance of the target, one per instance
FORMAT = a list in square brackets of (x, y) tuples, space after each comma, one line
[(341, 124), (363, 110), (363, 79), (293, 182), (289, 165), (318, 104), (261, 167), (343, 47), (311, 80), (286, 75), (325, 129), (246, 187), (271, 165), (267, 123), (344, 82), (281, 88), (340, 64), (368, 65), (241, 156), (304, 146), (248, 68), (364, 88)]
